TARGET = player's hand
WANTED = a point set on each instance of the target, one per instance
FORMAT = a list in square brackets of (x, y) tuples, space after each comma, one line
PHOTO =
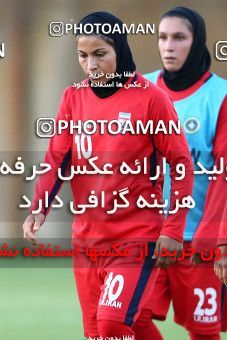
[(203, 256), (196, 258), (220, 266), (172, 246), (31, 225)]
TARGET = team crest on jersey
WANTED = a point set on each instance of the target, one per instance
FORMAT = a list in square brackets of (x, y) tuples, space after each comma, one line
[(123, 117), (191, 125)]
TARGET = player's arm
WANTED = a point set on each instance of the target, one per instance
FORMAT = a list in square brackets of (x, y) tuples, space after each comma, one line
[(58, 155), (175, 149), (220, 266)]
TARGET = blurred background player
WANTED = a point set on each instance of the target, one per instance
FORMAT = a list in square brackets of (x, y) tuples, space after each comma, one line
[(112, 295), (200, 100)]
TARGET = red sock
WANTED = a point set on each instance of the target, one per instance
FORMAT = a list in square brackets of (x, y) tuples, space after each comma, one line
[(195, 336), (144, 327), (109, 328)]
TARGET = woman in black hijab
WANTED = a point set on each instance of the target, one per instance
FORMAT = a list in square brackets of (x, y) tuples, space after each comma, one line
[(199, 98), (124, 61), (89, 46), (198, 60), (111, 293)]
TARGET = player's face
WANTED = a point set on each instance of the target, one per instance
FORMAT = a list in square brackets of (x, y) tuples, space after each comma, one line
[(174, 42), (96, 57)]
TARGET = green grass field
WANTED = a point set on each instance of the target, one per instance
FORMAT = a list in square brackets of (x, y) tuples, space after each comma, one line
[(41, 304)]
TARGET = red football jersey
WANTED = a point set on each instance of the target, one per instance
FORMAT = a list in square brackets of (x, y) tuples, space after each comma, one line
[(144, 102), (222, 239)]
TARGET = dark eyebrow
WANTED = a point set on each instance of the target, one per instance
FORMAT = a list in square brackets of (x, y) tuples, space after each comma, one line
[(180, 33), (173, 33), (97, 50)]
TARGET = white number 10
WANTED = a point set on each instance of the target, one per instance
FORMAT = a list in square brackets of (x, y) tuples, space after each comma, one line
[(84, 145)]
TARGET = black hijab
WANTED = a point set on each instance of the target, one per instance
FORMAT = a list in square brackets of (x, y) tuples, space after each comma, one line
[(198, 60), (125, 61)]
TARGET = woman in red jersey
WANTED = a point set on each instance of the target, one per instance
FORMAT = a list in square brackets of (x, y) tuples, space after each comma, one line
[(113, 293), (199, 98)]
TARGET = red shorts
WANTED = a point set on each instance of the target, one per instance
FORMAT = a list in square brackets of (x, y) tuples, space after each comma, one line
[(197, 296), (115, 289)]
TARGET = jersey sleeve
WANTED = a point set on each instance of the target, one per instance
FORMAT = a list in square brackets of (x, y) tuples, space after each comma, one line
[(58, 155), (175, 149), (222, 237), (208, 229)]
